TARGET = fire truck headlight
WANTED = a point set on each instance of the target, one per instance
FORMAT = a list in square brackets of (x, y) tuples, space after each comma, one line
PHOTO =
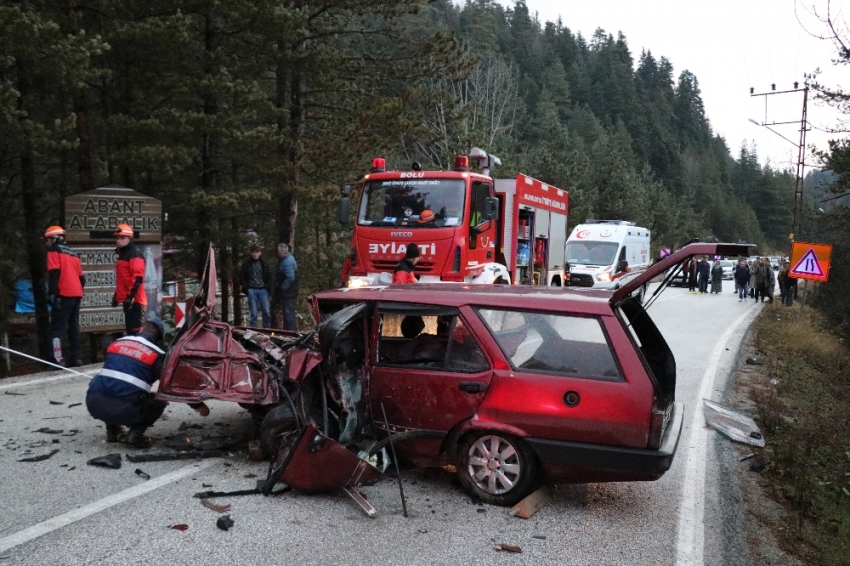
[(603, 277)]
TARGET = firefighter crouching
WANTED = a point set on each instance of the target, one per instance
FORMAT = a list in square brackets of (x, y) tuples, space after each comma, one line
[(65, 282), (130, 279)]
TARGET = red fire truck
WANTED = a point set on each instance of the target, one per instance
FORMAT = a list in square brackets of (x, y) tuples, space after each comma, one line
[(469, 227)]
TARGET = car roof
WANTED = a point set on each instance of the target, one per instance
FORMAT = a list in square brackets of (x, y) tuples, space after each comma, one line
[(556, 299)]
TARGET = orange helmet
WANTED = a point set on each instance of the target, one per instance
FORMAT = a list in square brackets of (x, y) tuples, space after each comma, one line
[(53, 231), (123, 230)]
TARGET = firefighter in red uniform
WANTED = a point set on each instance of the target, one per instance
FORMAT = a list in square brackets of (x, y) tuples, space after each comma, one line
[(64, 293), (130, 280)]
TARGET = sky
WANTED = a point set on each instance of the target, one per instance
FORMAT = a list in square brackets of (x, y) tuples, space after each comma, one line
[(731, 46)]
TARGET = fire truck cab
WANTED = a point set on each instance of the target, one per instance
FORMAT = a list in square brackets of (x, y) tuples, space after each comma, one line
[(469, 227)]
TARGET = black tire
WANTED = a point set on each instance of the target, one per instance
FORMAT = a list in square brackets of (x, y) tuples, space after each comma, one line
[(497, 468), (277, 423), (641, 294)]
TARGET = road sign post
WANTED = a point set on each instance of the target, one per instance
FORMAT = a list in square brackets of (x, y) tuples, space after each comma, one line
[(809, 262)]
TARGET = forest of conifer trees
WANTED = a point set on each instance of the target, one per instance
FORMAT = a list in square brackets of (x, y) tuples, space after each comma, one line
[(245, 116)]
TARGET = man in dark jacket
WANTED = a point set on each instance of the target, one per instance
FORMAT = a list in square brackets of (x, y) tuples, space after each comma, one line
[(287, 284), (120, 393), (256, 280), (64, 293), (130, 280), (742, 279), (704, 270), (404, 272)]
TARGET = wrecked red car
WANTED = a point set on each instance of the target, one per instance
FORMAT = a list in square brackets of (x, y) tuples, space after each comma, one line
[(511, 384)]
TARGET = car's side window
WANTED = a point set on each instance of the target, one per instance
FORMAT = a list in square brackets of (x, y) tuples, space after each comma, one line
[(573, 346), (429, 341)]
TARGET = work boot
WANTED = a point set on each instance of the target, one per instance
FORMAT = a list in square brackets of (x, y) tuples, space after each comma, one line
[(114, 432), (137, 439)]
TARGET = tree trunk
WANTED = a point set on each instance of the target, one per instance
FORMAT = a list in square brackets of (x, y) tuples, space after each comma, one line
[(32, 222), (234, 248)]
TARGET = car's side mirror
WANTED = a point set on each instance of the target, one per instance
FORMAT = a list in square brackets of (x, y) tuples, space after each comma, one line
[(344, 203), (492, 208)]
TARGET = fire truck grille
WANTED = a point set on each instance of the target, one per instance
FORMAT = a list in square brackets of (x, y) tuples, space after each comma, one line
[(389, 265), (581, 280)]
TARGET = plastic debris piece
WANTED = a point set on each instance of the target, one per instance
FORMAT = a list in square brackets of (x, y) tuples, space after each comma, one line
[(13, 393), (754, 360), (46, 430), (72, 405), (180, 527), (56, 403), (255, 451), (186, 426), (532, 503), (39, 458), (215, 507), (112, 461), (206, 485), (507, 548), (747, 457), (224, 522), (736, 425), (481, 510), (540, 537), (179, 441), (250, 476), (72, 468), (423, 531), (142, 474)]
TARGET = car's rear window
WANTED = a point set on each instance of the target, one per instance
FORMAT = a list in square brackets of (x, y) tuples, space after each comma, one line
[(572, 346)]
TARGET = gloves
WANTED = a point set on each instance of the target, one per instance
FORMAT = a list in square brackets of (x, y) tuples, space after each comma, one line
[(114, 301)]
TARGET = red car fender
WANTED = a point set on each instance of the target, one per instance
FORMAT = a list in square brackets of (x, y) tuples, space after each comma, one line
[(474, 424)]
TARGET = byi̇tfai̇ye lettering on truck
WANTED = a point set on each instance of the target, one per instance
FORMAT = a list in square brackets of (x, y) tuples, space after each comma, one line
[(469, 227)]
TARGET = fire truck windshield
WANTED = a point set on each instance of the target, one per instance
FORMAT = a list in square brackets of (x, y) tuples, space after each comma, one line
[(413, 202), (591, 253)]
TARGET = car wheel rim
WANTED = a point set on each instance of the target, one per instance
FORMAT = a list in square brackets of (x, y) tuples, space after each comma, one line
[(494, 465)]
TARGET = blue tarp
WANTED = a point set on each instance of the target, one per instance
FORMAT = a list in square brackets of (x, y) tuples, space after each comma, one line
[(24, 302)]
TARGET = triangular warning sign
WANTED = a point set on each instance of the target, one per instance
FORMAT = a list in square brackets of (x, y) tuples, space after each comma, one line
[(808, 265)]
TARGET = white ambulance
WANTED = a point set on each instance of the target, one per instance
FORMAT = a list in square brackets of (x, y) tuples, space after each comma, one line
[(602, 252)]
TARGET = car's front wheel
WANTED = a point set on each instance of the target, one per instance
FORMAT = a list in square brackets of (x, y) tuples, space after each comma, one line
[(497, 468), (276, 426)]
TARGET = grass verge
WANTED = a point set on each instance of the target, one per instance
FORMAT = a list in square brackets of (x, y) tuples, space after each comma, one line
[(802, 403)]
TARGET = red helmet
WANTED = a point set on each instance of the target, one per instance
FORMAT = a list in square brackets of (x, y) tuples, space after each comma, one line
[(53, 231), (123, 230)]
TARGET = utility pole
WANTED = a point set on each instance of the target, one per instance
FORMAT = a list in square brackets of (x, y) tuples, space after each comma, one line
[(797, 221)]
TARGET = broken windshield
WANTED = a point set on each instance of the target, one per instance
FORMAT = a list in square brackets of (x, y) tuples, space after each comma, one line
[(591, 253), (413, 202)]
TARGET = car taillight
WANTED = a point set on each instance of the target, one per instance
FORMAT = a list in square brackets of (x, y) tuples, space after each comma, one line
[(657, 425)]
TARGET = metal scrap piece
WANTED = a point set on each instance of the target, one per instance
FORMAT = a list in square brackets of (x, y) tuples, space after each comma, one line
[(215, 506), (112, 461), (361, 501), (46, 430), (39, 458), (174, 456), (736, 425)]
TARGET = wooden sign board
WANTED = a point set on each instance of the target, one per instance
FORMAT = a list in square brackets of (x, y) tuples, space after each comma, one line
[(810, 261), (90, 219), (93, 215)]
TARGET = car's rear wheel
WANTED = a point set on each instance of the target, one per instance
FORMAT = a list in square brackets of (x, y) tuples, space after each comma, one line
[(497, 468), (276, 425)]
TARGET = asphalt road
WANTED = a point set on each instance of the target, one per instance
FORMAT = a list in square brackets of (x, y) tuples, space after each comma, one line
[(62, 511)]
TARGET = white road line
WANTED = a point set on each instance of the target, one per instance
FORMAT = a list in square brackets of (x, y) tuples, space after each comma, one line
[(80, 513), (689, 547), (90, 373)]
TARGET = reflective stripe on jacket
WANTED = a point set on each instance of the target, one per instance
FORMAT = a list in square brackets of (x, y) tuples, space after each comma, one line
[(132, 365)]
